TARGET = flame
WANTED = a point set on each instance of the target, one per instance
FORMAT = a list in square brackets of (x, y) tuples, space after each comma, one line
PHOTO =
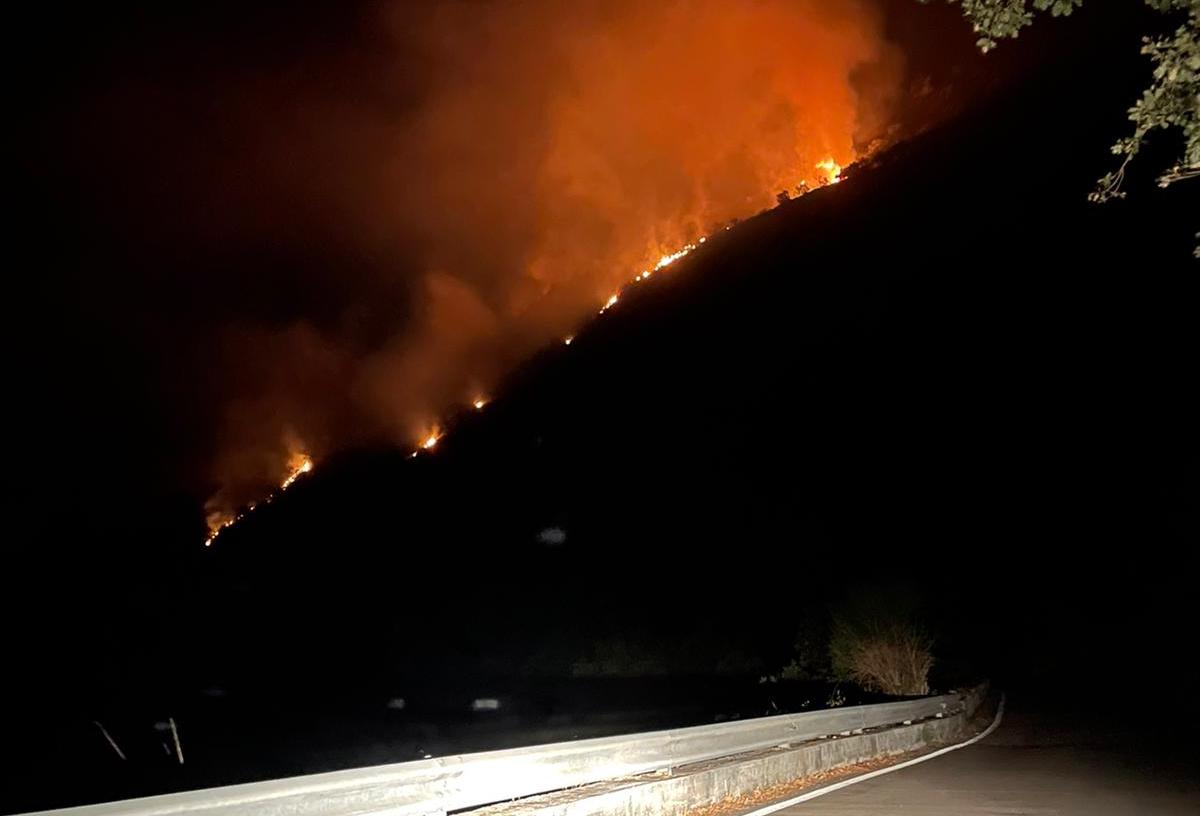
[(667, 260), (663, 262), (831, 169), (298, 465), (216, 525), (587, 180), (828, 166), (608, 304)]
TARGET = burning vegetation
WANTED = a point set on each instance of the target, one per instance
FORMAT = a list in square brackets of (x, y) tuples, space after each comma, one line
[(218, 521), (502, 193), (300, 464)]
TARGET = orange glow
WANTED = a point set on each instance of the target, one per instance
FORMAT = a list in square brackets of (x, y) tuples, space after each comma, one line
[(828, 166), (667, 260), (831, 169), (545, 186), (298, 464), (215, 528)]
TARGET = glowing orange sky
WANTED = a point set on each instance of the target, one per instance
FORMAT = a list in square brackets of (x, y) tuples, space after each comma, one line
[(556, 150)]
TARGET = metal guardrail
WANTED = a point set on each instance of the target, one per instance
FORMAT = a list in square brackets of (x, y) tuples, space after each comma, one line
[(438, 786)]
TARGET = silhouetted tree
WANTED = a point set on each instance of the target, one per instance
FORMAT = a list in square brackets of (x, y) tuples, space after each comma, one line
[(1172, 100)]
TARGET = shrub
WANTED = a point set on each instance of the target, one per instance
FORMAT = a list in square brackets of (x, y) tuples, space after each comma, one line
[(892, 657), (810, 648)]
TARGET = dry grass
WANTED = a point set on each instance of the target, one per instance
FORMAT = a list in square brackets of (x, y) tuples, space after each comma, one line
[(893, 658)]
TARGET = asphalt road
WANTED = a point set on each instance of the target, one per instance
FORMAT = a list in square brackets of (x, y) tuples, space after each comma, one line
[(1041, 761)]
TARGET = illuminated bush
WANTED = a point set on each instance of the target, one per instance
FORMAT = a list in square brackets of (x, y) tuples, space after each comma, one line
[(892, 657)]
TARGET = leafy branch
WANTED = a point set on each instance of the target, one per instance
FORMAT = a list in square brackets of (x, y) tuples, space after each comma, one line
[(1171, 101)]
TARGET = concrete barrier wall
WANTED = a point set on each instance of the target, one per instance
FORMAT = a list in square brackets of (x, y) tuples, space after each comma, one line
[(708, 784)]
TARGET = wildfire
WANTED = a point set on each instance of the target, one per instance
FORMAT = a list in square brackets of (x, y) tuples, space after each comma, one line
[(667, 260), (828, 166), (217, 526), (430, 440), (300, 463), (832, 170), (608, 304)]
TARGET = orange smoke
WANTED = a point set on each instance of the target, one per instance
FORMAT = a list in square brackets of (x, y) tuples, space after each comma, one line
[(554, 152), (220, 518), (683, 115)]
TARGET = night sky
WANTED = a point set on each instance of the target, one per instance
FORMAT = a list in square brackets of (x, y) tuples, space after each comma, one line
[(326, 228)]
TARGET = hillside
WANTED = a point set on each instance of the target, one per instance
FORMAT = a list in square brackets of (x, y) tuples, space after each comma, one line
[(949, 371)]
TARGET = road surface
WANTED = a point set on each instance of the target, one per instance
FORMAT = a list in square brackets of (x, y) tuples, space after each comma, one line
[(1040, 761)]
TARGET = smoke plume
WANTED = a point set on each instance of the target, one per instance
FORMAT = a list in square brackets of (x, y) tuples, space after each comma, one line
[(383, 220)]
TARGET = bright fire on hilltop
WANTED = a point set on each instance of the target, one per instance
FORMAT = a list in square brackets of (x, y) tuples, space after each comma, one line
[(298, 465), (828, 166), (831, 169), (505, 192), (832, 174)]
